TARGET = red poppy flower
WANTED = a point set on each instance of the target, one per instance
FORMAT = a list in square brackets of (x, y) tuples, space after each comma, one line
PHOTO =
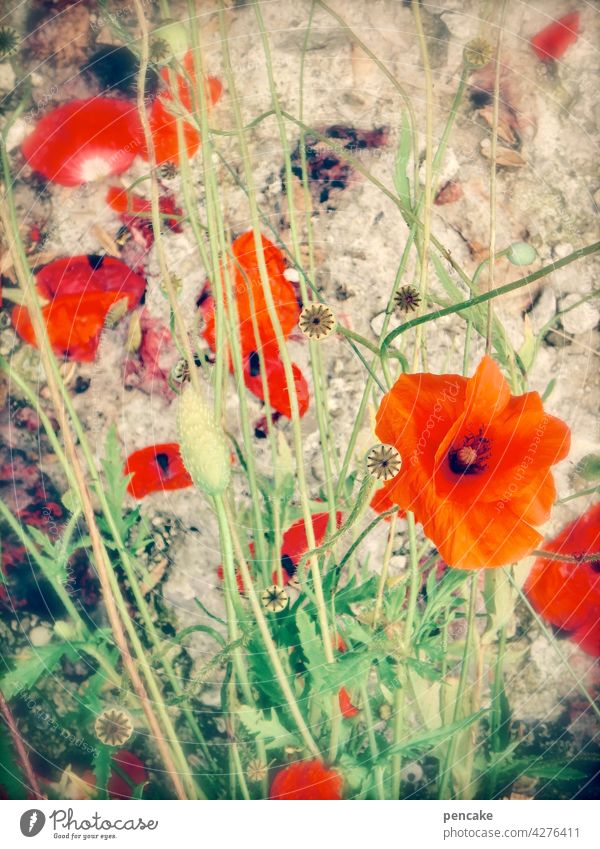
[(130, 205), (554, 40), (306, 780), (79, 275), (347, 709), (156, 468), (279, 397), (293, 545), (568, 594), (119, 787), (163, 122), (475, 462), (84, 140), (250, 299), (74, 323)]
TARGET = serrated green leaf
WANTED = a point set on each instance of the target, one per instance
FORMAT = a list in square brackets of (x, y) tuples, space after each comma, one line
[(311, 644), (40, 661), (432, 738), (268, 729)]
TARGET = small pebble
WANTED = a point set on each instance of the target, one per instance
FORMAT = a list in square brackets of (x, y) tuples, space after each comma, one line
[(40, 636), (581, 319)]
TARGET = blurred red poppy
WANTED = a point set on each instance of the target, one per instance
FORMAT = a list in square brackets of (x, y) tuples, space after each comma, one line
[(156, 468), (279, 397), (130, 205), (78, 275), (553, 41), (347, 709), (250, 299), (123, 788), (306, 780), (163, 122), (74, 323), (84, 140), (293, 545), (568, 594)]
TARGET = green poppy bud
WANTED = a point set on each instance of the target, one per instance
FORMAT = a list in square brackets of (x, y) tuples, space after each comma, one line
[(202, 443), (520, 253)]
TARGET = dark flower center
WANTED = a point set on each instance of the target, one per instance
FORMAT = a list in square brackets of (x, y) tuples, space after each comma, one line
[(162, 460), (254, 363), (288, 565), (471, 457)]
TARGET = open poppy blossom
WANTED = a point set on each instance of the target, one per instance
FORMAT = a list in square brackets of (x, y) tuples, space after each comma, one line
[(553, 41), (279, 397), (306, 780), (84, 140), (568, 594), (120, 787), (132, 206), (78, 275), (74, 323), (476, 462), (249, 296), (163, 123), (156, 468)]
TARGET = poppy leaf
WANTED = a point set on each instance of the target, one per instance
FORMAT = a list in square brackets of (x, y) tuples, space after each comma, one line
[(351, 669), (429, 739), (312, 644), (40, 661), (269, 730)]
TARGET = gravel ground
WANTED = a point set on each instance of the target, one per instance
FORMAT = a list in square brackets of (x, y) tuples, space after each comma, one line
[(550, 199)]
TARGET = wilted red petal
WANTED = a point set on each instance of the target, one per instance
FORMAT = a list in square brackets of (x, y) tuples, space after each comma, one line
[(85, 140), (306, 780), (74, 323), (554, 40), (156, 468), (78, 275)]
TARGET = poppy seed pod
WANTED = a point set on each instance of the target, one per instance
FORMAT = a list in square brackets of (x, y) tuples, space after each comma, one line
[(202, 445)]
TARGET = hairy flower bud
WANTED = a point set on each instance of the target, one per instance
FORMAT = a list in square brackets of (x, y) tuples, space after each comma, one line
[(202, 444)]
